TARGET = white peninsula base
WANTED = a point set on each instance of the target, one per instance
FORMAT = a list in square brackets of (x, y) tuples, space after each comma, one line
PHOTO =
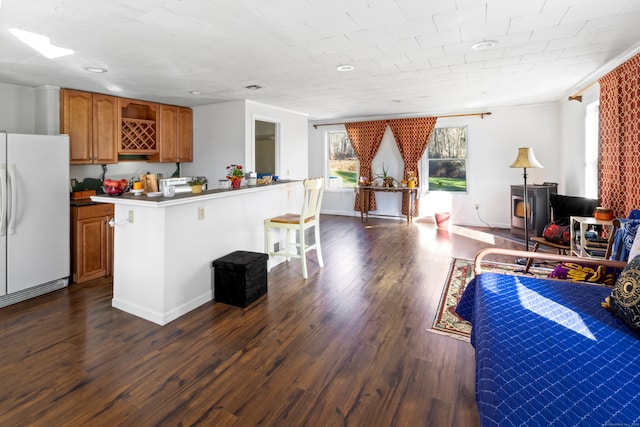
[(163, 247)]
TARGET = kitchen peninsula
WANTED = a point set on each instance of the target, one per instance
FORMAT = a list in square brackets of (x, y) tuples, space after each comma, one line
[(164, 246)]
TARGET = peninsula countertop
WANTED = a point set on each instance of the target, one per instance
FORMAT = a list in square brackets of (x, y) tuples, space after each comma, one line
[(183, 198)]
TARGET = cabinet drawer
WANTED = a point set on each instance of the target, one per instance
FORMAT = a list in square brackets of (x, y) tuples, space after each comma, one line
[(93, 211)]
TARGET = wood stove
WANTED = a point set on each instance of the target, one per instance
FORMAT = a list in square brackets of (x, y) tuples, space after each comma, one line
[(539, 208)]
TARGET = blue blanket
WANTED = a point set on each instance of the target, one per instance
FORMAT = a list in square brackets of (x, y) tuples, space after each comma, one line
[(547, 354)]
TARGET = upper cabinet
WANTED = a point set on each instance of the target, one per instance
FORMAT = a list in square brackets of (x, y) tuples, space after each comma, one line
[(175, 135), (139, 121), (101, 127), (90, 120)]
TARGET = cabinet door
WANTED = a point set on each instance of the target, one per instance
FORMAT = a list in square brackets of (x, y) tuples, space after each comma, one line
[(185, 135), (76, 112), (168, 138), (91, 243), (105, 128)]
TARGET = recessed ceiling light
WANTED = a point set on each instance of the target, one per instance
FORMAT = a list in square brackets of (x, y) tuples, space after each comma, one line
[(40, 43), (195, 92), (97, 70), (345, 67), (253, 87), (484, 45), (397, 101)]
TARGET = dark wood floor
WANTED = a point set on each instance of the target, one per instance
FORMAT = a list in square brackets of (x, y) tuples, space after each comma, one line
[(348, 347)]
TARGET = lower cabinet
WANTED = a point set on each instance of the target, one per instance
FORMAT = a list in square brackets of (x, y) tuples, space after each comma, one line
[(91, 241)]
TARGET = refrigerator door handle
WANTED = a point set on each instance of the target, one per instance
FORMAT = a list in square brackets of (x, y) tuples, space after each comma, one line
[(12, 200), (3, 199)]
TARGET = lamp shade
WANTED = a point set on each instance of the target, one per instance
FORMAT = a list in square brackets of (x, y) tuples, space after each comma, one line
[(526, 159)]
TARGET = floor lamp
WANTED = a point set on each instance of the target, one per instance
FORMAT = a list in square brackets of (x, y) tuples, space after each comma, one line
[(525, 160)]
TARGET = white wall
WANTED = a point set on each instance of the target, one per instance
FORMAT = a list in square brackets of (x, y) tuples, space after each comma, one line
[(218, 139), (17, 108), (223, 135), (492, 143)]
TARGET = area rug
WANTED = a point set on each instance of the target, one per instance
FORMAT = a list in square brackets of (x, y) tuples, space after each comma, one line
[(447, 322)]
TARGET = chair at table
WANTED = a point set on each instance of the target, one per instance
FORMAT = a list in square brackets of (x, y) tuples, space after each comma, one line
[(563, 207), (309, 217)]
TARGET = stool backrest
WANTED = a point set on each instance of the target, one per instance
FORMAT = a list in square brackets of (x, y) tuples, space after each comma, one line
[(313, 190)]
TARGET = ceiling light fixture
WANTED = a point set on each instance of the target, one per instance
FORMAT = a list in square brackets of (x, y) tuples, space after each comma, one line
[(40, 43), (97, 70), (484, 45), (253, 87), (195, 92), (345, 67)]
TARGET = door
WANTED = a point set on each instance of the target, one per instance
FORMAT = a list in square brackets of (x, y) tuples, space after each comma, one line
[(93, 242), (3, 213), (105, 129), (76, 111), (38, 232)]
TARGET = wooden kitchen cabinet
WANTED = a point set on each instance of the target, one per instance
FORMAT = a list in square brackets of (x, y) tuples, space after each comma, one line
[(91, 241), (139, 127), (175, 135), (91, 121)]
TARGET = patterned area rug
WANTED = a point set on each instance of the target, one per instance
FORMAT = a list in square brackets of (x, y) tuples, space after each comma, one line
[(447, 321)]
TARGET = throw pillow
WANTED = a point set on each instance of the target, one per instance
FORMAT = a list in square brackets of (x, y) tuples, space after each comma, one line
[(625, 298), (635, 247)]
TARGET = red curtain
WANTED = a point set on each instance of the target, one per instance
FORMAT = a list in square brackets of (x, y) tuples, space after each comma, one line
[(619, 149), (412, 137), (365, 138)]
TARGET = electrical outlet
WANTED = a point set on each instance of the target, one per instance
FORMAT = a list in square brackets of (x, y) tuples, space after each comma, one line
[(289, 194), (131, 216), (276, 246), (201, 212)]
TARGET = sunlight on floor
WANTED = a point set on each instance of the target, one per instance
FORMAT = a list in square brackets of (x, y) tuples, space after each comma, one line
[(474, 234)]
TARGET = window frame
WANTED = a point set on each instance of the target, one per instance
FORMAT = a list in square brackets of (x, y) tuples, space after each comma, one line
[(327, 158), (424, 162), (591, 149)]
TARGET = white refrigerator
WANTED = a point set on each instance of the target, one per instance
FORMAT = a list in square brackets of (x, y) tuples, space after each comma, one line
[(34, 215)]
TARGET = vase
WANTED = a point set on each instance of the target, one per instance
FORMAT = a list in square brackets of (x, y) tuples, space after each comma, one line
[(235, 182), (195, 189), (443, 219)]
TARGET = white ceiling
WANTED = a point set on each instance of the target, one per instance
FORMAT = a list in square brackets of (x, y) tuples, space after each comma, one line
[(410, 56)]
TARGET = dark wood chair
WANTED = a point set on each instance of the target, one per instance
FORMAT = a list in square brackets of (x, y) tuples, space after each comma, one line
[(565, 207)]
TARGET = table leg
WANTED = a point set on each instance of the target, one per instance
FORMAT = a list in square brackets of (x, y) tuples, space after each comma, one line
[(364, 205)]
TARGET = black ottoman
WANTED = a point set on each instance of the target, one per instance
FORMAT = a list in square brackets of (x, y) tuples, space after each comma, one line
[(240, 278)]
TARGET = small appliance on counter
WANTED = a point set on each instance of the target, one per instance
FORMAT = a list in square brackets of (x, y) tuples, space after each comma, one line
[(180, 185), (252, 178)]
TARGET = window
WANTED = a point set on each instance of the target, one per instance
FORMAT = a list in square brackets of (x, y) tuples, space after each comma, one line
[(447, 154), (343, 163), (591, 151)]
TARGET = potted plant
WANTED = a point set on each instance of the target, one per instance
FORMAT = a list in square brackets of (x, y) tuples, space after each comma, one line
[(235, 174), (385, 177), (196, 184)]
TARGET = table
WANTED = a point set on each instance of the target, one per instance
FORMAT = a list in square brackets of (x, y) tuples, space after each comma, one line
[(364, 191), (589, 248)]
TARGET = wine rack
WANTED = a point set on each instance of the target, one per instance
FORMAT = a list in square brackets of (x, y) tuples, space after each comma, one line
[(138, 136)]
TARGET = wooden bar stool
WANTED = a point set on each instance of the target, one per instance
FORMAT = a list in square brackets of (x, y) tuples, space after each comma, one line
[(309, 217)]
